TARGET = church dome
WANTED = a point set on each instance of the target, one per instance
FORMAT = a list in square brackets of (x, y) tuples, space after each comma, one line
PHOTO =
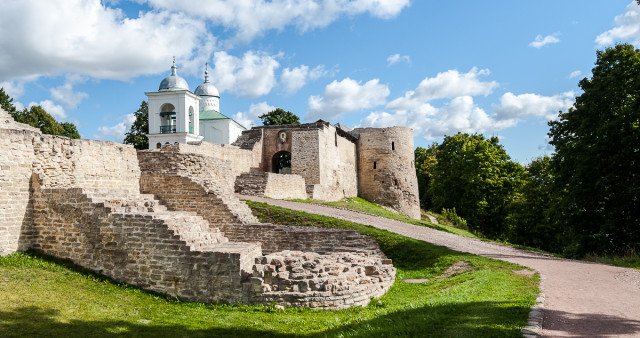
[(173, 81), (207, 89)]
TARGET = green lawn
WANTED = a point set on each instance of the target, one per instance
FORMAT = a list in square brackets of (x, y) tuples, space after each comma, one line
[(362, 205), (42, 296)]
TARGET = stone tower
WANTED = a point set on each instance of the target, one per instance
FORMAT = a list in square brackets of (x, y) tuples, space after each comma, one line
[(386, 168)]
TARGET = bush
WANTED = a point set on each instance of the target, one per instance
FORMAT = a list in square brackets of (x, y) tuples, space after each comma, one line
[(449, 216)]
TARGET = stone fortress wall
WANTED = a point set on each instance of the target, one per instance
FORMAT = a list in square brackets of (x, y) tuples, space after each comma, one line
[(386, 168), (166, 220)]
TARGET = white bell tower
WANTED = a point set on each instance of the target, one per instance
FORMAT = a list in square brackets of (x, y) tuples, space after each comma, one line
[(174, 112)]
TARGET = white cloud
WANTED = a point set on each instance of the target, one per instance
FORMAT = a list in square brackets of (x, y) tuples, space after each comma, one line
[(540, 41), (627, 27), (53, 109), (346, 96), (460, 113), (296, 78), (516, 107), (65, 93), (575, 74), (250, 118), (449, 84), (395, 58), (251, 76), (251, 18), (15, 89), (86, 37), (115, 132)]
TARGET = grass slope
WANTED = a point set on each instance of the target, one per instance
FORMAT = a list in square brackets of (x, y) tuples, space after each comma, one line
[(44, 296)]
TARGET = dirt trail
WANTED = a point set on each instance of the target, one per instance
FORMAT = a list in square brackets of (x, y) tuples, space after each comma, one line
[(581, 299)]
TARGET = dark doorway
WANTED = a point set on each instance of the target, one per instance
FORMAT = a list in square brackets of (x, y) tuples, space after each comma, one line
[(281, 163)]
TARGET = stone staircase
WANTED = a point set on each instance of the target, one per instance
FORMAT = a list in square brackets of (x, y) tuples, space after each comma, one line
[(191, 228), (252, 183)]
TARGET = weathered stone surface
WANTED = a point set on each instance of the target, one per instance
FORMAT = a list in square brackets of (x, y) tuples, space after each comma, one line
[(167, 220)]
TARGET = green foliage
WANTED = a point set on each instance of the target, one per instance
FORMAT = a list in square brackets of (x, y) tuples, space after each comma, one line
[(425, 161), (137, 134), (41, 297), (279, 116), (37, 117), (530, 213), (451, 217), (597, 159), (6, 102), (477, 177)]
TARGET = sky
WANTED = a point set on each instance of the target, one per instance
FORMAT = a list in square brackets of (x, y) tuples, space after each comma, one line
[(501, 68)]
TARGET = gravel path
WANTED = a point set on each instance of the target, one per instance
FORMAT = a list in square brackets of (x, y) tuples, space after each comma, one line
[(581, 299)]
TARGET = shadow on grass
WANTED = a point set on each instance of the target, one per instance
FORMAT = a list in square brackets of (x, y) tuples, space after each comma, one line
[(34, 321), (475, 319)]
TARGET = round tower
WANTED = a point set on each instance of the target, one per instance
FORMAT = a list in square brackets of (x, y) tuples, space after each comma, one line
[(386, 168)]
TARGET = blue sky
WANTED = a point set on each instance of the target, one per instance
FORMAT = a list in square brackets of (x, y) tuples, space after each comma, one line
[(500, 68)]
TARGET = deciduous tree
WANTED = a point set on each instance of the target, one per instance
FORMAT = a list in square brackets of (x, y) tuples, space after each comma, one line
[(137, 134), (597, 159), (279, 116)]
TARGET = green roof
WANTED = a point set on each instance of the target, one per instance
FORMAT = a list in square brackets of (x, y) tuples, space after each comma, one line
[(216, 115), (212, 115)]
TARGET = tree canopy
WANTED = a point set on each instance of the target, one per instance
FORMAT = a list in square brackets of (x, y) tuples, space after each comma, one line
[(37, 117), (137, 134), (597, 159), (475, 176), (279, 116)]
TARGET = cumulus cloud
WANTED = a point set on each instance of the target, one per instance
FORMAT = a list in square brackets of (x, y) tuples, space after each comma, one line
[(395, 58), (251, 76), (346, 96), (65, 93), (627, 27), (517, 107), (575, 74), (296, 78), (461, 113), (540, 41), (15, 89), (115, 132), (249, 118), (53, 109), (86, 37), (251, 18), (449, 84)]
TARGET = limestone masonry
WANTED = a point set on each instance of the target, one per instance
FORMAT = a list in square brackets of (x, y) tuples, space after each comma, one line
[(167, 219)]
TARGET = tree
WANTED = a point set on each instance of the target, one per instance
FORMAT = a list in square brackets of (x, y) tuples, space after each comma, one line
[(6, 102), (137, 134), (532, 223), (475, 176), (279, 116), (37, 117), (425, 161), (597, 158)]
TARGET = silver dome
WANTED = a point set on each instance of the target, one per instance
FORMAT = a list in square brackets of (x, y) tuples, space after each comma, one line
[(173, 81), (207, 89)]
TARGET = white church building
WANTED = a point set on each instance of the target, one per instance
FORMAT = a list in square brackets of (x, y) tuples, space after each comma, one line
[(176, 115)]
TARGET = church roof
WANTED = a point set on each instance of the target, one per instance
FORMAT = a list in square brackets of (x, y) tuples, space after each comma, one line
[(209, 115), (207, 89)]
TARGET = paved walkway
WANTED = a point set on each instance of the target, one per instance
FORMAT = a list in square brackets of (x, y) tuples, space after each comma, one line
[(581, 299)]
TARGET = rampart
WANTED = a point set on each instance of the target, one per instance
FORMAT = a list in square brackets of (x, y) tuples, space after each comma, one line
[(159, 220)]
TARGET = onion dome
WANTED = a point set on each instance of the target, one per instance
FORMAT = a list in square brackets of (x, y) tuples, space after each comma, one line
[(173, 81), (207, 89)]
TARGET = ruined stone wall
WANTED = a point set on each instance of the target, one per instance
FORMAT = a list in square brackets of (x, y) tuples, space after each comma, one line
[(285, 186), (305, 159), (386, 169), (16, 158), (147, 249), (338, 166), (276, 238), (240, 160)]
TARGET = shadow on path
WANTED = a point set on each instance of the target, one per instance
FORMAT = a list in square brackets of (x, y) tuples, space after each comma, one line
[(586, 324)]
